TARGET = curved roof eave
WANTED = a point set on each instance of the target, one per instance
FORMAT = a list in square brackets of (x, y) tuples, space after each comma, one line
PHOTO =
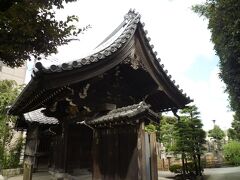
[(89, 63), (96, 63), (157, 71)]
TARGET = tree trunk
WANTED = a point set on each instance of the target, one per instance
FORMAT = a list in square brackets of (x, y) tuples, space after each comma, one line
[(195, 163), (199, 164), (186, 165), (183, 166)]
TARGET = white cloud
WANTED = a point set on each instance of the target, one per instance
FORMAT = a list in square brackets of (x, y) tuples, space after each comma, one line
[(211, 100)]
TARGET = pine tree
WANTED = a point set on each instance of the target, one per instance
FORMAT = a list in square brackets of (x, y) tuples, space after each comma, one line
[(190, 138)]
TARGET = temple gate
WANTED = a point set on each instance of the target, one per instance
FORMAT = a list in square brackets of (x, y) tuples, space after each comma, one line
[(86, 118)]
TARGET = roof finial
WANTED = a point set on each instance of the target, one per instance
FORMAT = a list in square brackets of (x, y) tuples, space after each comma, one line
[(130, 15)]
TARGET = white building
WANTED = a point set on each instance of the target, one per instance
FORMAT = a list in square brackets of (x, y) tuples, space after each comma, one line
[(17, 74)]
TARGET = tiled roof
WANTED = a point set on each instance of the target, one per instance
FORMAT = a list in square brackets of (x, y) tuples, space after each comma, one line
[(107, 48), (38, 117), (31, 96), (124, 114)]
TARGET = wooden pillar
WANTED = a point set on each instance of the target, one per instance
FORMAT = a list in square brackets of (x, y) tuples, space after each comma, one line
[(27, 171), (65, 145), (95, 155), (30, 152), (147, 155), (141, 153), (154, 171)]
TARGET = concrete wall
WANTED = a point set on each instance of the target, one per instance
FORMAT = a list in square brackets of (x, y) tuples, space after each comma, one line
[(17, 74)]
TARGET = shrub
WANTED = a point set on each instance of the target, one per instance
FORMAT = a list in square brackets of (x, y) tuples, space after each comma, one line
[(190, 167), (231, 152), (11, 159), (176, 168)]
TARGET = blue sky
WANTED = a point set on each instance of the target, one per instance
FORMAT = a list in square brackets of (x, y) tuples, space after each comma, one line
[(180, 37), (201, 68)]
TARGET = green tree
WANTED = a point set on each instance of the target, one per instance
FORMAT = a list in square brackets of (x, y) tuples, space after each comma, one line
[(224, 23), (231, 152), (150, 128), (29, 28), (190, 138), (9, 157), (167, 132), (216, 133), (233, 133), (183, 144)]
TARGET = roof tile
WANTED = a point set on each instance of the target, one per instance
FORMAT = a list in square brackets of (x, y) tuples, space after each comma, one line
[(38, 117), (117, 115)]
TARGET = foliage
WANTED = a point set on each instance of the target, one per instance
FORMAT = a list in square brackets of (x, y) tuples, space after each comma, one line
[(231, 152), (8, 92), (11, 159), (176, 168), (190, 138), (153, 128), (30, 28), (216, 133), (224, 23), (167, 132), (190, 167), (233, 133), (184, 136), (150, 128)]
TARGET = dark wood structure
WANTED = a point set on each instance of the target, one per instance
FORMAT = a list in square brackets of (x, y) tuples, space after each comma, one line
[(89, 115)]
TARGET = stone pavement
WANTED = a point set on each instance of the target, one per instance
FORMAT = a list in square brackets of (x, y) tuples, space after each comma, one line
[(165, 175), (47, 176), (36, 176), (162, 175), (227, 173)]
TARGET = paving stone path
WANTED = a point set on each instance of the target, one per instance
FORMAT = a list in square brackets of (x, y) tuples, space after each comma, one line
[(163, 175), (229, 173)]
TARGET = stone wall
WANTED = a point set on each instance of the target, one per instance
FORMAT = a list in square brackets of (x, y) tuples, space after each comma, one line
[(11, 172)]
